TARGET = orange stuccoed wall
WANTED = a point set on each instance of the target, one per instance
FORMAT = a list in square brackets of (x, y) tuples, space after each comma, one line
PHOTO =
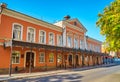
[(6, 32), (6, 28)]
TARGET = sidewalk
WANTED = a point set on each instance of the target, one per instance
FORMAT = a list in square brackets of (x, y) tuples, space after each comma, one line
[(48, 73)]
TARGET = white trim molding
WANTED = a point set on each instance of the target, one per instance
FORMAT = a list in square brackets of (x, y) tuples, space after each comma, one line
[(21, 29), (34, 33)]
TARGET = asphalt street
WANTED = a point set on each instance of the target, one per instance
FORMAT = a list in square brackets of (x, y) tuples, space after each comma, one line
[(103, 74)]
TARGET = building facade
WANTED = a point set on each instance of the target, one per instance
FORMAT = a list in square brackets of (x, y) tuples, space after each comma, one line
[(30, 43)]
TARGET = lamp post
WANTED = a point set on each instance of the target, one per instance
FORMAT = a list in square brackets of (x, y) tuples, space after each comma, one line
[(82, 59), (30, 67), (10, 65), (63, 29)]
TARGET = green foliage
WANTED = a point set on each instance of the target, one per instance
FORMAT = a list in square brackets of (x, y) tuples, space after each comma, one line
[(109, 24)]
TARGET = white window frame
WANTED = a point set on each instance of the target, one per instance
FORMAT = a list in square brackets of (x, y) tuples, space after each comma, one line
[(50, 59), (40, 57), (81, 44), (21, 30), (69, 44), (15, 57), (75, 43), (59, 42), (53, 38), (34, 33), (44, 37)]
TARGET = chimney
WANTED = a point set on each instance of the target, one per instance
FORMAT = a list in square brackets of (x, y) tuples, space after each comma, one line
[(66, 17), (3, 5)]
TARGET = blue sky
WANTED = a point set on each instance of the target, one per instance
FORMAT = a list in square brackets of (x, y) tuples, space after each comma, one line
[(85, 11)]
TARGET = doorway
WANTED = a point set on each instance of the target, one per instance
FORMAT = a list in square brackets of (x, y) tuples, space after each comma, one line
[(70, 60), (28, 59), (77, 60)]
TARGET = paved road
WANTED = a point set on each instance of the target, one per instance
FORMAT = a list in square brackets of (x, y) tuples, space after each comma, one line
[(103, 74)]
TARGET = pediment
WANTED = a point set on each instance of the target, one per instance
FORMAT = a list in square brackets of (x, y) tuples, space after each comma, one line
[(76, 22)]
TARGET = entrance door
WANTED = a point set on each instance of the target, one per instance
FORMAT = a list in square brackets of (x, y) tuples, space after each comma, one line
[(77, 60), (70, 60), (28, 59)]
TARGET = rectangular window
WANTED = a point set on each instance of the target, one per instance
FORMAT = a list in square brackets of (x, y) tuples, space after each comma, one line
[(17, 32), (31, 35), (81, 44), (75, 43), (59, 40), (69, 41), (42, 37), (15, 57), (51, 57), (42, 57), (51, 38)]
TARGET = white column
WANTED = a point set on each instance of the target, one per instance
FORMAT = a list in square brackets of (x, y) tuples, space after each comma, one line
[(64, 35)]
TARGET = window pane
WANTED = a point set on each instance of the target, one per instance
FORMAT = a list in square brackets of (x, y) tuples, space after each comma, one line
[(42, 37), (15, 57), (75, 43), (17, 32), (69, 41), (51, 57), (31, 34), (59, 40), (51, 39), (42, 57)]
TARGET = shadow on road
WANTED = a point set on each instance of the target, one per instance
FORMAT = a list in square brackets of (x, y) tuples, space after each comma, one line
[(53, 78)]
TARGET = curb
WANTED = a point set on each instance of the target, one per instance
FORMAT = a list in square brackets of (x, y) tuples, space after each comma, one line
[(40, 75), (53, 73)]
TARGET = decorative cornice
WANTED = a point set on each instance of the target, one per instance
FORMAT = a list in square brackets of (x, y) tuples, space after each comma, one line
[(92, 39), (30, 19)]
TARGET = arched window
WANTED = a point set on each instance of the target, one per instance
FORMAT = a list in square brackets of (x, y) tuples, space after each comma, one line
[(59, 40), (42, 37), (31, 34), (17, 32), (51, 38)]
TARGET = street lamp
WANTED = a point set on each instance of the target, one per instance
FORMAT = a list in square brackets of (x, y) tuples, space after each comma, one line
[(30, 67)]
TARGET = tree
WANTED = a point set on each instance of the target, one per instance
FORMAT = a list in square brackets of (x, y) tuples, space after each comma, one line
[(109, 24)]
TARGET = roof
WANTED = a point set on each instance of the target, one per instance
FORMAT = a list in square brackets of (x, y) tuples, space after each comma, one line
[(19, 15), (88, 37)]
